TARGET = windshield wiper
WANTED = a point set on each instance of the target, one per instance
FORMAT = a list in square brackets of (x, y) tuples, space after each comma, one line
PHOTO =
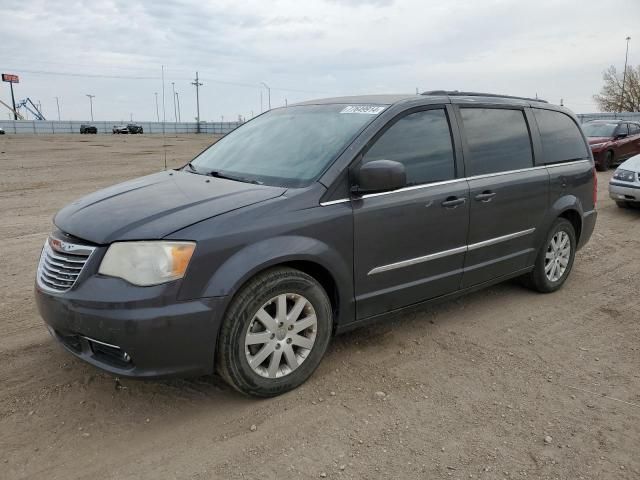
[(193, 168), (218, 174)]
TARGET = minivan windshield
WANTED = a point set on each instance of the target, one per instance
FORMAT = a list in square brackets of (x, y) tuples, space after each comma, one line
[(288, 147), (599, 129)]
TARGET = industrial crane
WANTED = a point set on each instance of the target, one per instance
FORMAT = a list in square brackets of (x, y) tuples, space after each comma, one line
[(12, 110), (35, 111)]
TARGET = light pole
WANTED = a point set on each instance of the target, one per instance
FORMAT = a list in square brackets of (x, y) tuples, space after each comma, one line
[(178, 100), (624, 74), (157, 110), (91, 97), (58, 104), (268, 94), (175, 110)]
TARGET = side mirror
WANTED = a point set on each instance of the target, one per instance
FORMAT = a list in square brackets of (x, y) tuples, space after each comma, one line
[(380, 176)]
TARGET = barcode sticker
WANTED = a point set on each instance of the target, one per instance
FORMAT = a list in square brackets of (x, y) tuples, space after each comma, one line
[(365, 109)]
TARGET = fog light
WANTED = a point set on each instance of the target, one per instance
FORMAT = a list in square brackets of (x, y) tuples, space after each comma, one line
[(126, 357)]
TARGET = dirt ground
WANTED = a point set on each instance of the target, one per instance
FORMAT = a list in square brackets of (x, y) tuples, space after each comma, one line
[(471, 387)]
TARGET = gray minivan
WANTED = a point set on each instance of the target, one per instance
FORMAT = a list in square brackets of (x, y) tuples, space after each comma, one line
[(312, 220)]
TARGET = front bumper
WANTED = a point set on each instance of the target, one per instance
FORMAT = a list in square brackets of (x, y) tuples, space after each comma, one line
[(133, 331), (624, 192)]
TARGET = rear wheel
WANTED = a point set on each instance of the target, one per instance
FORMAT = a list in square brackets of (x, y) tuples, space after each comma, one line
[(274, 333), (622, 204), (555, 259)]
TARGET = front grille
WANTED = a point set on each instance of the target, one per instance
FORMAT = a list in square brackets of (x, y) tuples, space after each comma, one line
[(60, 267)]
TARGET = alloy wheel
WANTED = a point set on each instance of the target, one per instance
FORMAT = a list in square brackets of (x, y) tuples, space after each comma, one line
[(281, 335), (557, 256)]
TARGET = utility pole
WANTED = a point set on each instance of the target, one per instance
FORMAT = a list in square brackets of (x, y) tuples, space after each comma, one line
[(175, 110), (157, 110), (197, 85), (178, 100), (624, 74), (268, 93), (131, 116), (164, 117), (91, 97), (286, 104), (58, 105)]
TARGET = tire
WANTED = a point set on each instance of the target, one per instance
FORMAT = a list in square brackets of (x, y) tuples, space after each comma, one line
[(622, 204), (244, 319), (606, 162), (540, 278)]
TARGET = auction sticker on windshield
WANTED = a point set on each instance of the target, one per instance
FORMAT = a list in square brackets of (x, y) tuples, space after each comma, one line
[(366, 109)]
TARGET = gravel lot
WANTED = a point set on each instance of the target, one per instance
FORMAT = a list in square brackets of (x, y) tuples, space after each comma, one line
[(466, 389)]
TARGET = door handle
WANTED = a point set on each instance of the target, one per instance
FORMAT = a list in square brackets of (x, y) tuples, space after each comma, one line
[(485, 196), (453, 202)]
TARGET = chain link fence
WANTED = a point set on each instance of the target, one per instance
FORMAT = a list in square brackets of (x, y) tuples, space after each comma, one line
[(48, 127), (631, 116)]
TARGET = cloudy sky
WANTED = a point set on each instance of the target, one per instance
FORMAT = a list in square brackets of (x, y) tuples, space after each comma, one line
[(304, 49)]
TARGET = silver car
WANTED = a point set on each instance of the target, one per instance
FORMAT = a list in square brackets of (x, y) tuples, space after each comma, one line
[(624, 186)]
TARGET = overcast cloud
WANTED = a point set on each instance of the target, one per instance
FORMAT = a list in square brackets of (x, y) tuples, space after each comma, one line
[(304, 49)]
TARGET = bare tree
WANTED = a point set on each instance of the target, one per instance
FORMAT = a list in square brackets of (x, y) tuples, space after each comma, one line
[(610, 97)]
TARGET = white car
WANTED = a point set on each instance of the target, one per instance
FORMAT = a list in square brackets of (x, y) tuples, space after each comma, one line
[(624, 186), (1, 131)]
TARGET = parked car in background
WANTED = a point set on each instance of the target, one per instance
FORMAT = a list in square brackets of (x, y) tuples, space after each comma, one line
[(612, 141), (88, 129), (313, 220), (120, 129), (133, 128), (1, 131), (624, 186)]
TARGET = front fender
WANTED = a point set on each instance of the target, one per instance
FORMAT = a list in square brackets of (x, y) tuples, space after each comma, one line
[(254, 258)]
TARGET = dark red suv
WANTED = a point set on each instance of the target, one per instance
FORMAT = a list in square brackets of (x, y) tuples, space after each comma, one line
[(612, 141)]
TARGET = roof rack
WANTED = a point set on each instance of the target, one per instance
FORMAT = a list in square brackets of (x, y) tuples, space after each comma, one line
[(457, 93)]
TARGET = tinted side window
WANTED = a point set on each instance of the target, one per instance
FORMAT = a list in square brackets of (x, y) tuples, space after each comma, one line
[(498, 140), (634, 129), (422, 142), (622, 129), (561, 138)]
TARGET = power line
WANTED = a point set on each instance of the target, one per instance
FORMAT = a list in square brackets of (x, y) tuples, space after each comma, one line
[(145, 77)]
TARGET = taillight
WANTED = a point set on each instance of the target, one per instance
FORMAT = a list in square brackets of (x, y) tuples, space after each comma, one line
[(595, 188)]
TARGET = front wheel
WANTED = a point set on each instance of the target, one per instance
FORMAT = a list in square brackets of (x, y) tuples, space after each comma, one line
[(274, 333), (555, 259), (606, 163)]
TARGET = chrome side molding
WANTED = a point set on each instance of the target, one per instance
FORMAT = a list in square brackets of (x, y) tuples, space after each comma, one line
[(456, 180), (453, 251)]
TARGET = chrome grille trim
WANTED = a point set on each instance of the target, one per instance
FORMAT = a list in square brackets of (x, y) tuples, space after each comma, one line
[(59, 270)]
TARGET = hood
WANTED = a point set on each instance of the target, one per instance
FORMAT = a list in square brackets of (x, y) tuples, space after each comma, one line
[(154, 206), (632, 164), (594, 140)]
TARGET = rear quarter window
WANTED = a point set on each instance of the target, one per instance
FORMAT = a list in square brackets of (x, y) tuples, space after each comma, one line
[(561, 138)]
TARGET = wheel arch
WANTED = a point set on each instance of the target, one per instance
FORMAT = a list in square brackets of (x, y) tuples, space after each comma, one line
[(573, 216), (306, 254)]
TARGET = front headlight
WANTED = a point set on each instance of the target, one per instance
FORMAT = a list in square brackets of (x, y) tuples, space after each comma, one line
[(624, 175), (147, 263)]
